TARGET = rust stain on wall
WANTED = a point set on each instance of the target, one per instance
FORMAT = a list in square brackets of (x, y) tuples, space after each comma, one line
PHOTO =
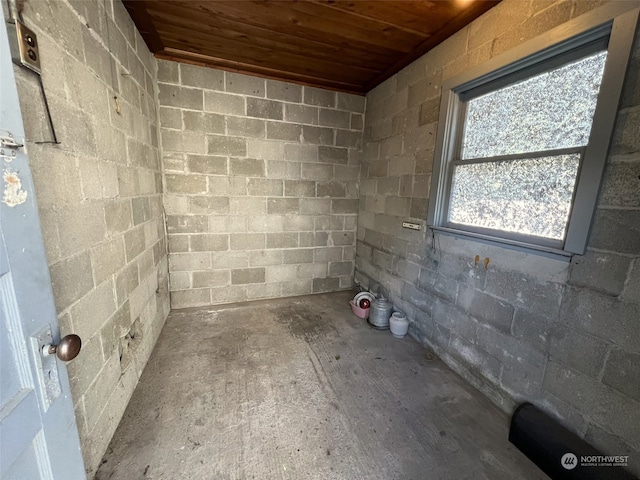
[(13, 193)]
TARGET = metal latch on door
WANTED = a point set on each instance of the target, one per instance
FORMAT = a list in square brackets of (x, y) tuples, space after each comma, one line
[(8, 145), (46, 352)]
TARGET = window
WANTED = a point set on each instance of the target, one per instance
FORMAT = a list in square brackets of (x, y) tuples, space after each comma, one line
[(523, 141)]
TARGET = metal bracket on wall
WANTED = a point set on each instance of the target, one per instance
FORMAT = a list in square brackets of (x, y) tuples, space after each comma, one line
[(411, 225)]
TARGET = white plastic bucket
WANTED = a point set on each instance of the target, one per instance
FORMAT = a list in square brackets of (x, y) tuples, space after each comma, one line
[(398, 324)]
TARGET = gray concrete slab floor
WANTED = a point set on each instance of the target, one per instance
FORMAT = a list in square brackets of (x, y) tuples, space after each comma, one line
[(299, 388)]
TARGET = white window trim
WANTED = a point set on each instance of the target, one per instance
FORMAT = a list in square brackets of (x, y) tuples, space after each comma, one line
[(618, 22)]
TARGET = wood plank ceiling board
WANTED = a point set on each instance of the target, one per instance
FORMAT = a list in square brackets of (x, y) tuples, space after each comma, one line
[(345, 45)]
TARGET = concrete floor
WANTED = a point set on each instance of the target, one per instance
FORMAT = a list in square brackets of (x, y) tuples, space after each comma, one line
[(300, 388)]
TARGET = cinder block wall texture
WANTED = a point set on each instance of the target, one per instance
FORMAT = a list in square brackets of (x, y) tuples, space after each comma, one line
[(563, 336), (99, 196), (261, 185)]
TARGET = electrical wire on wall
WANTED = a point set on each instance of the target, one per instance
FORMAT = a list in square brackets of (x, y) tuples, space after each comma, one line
[(49, 118), (112, 64), (436, 250)]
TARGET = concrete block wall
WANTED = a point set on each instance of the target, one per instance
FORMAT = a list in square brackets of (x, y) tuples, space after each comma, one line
[(261, 185), (99, 197), (526, 328)]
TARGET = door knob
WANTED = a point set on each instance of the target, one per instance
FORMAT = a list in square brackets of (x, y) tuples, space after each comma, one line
[(68, 348)]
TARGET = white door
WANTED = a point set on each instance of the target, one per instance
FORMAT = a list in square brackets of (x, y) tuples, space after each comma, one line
[(38, 433)]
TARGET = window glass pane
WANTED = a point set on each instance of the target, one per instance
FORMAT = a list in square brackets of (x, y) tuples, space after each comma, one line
[(527, 196), (549, 111)]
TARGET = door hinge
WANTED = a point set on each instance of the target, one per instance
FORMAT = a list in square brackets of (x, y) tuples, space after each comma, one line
[(8, 145)]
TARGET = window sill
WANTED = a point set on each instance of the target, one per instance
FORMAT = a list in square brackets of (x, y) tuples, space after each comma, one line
[(549, 252)]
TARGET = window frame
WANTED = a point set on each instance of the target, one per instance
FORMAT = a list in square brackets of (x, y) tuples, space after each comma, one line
[(612, 26)]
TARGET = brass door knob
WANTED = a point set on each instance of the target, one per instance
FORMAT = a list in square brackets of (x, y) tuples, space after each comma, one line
[(68, 348)]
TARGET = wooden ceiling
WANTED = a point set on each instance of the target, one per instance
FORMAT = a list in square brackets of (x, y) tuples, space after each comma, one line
[(346, 45)]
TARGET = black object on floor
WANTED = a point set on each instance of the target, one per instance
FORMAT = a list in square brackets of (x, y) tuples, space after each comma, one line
[(559, 453)]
